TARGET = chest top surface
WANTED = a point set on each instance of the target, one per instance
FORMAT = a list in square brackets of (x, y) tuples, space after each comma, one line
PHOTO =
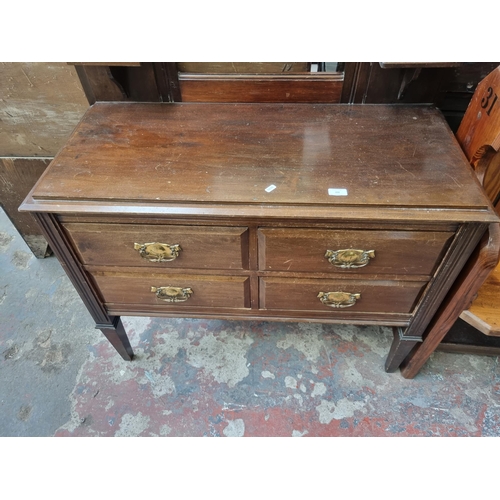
[(265, 155)]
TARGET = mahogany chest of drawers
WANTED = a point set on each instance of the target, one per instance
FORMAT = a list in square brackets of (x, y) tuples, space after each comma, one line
[(326, 213)]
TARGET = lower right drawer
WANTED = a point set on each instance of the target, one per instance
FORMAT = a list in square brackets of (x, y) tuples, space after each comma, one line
[(338, 294)]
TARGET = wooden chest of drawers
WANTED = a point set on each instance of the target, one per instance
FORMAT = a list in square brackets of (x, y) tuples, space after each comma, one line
[(327, 213)]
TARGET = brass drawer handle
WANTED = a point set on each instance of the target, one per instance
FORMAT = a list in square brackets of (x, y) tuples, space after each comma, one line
[(349, 257), (158, 252), (172, 293), (338, 299)]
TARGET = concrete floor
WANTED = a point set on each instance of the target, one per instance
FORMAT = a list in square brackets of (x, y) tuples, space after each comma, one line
[(60, 377)]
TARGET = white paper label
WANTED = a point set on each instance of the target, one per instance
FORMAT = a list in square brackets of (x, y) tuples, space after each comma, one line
[(337, 192), (270, 188)]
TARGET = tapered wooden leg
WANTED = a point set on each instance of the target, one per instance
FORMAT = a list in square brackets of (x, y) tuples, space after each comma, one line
[(115, 333), (400, 348)]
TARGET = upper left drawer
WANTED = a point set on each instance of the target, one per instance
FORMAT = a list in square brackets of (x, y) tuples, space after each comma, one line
[(160, 246)]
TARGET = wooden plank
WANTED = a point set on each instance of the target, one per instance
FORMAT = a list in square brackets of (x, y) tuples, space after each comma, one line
[(325, 88), (17, 177), (40, 104), (484, 313)]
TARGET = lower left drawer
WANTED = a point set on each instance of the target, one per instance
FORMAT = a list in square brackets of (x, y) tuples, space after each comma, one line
[(173, 290)]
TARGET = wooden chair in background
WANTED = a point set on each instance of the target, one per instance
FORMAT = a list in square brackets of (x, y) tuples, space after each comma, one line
[(475, 296)]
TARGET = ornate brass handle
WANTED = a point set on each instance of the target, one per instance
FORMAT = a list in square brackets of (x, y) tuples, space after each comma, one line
[(158, 252), (338, 299), (172, 293), (349, 257)]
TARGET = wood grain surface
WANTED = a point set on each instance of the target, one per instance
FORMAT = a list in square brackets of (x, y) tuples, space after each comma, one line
[(302, 294), (383, 156), (484, 312), (403, 252), (202, 247), (208, 291), (289, 88)]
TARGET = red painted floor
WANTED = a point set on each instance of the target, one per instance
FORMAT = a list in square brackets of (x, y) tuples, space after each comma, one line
[(220, 378)]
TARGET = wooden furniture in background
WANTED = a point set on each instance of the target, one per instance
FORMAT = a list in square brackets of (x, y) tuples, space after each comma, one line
[(479, 137), (208, 82), (257, 82), (312, 87), (475, 296), (449, 86), (317, 212)]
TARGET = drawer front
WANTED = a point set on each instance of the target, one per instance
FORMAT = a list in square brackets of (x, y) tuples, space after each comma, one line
[(173, 291), (389, 252), (339, 295), (199, 247)]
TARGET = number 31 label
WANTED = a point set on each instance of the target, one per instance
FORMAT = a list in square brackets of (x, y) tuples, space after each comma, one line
[(485, 101)]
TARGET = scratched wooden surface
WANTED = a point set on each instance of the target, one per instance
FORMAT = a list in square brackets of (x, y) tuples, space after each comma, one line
[(384, 156)]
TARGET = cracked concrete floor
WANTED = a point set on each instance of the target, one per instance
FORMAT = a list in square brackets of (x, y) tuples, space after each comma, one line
[(60, 377)]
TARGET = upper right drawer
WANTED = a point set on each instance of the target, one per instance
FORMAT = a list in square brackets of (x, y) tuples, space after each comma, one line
[(346, 251)]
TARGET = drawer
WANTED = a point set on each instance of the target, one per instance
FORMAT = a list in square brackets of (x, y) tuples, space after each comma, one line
[(199, 247), (173, 291), (368, 296), (389, 252)]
